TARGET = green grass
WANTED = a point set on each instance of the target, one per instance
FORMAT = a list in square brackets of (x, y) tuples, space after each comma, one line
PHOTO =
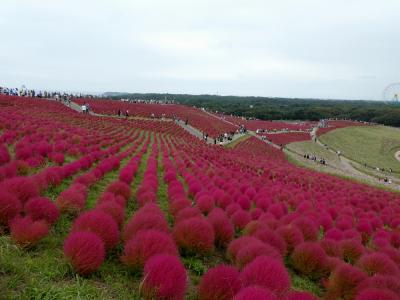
[(373, 145), (312, 148)]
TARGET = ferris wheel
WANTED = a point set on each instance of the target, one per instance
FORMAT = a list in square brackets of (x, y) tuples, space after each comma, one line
[(392, 92)]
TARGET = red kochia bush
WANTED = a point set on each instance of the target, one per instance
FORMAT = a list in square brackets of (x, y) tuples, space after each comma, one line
[(255, 293), (240, 218), (377, 263), (351, 250), (300, 296), (42, 208), (26, 232), (4, 155), (272, 238), (145, 244), (308, 228), (10, 207), (85, 251), (22, 187), (120, 188), (99, 223), (113, 209), (266, 272), (343, 282), (205, 203), (164, 278), (250, 251), (177, 205), (194, 235), (219, 283), (376, 294), (143, 221), (292, 236), (223, 227), (390, 282), (310, 259), (71, 201)]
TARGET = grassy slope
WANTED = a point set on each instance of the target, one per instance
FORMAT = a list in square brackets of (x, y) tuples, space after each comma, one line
[(374, 145), (312, 148)]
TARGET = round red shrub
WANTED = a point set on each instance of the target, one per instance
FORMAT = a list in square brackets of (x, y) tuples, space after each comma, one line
[(377, 263), (144, 221), (85, 251), (187, 213), (331, 247), (268, 273), (376, 294), (351, 250), (4, 155), (240, 218), (10, 207), (390, 282), (223, 227), (300, 296), (248, 252), (205, 203), (113, 209), (26, 232), (42, 208), (308, 228), (343, 282), (292, 236), (310, 259), (99, 223), (120, 188), (177, 205), (219, 283), (272, 238), (255, 293), (194, 235), (145, 244), (22, 187), (164, 278), (70, 201), (235, 245)]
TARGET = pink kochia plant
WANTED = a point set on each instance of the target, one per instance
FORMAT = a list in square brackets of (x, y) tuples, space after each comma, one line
[(145, 244), (164, 278), (145, 219), (22, 187), (10, 207), (309, 258), (377, 294), (27, 232), (71, 200), (85, 251), (378, 263), (255, 293), (219, 283), (223, 227), (42, 208), (194, 235), (268, 273), (99, 223)]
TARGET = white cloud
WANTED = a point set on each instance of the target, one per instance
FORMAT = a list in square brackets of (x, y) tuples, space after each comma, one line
[(309, 48)]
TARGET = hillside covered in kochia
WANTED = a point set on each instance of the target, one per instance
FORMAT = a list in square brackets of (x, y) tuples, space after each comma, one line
[(266, 108)]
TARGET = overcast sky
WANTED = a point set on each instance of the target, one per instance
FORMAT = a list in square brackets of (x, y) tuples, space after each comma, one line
[(343, 49)]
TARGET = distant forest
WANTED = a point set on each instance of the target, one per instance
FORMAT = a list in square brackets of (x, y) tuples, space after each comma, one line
[(265, 108)]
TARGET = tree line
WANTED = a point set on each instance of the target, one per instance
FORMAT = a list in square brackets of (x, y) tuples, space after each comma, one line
[(266, 108)]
